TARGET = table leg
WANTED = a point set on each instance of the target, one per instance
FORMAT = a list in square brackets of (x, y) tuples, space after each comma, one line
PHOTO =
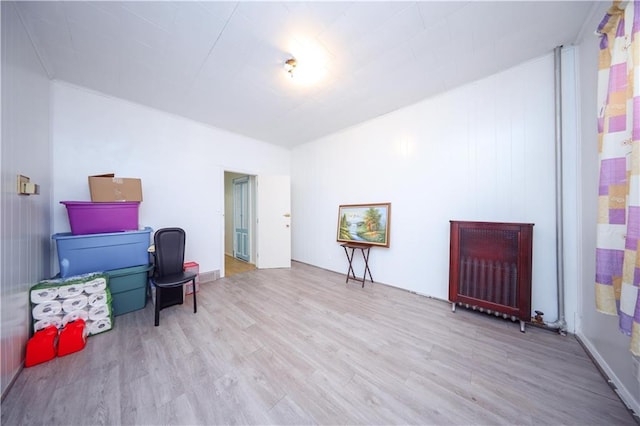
[(350, 272), (366, 266)]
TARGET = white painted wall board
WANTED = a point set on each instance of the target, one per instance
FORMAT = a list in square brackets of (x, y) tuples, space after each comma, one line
[(25, 219), (484, 151), (179, 161)]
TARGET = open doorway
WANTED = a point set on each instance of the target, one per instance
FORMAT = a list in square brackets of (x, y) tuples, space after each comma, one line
[(266, 219), (240, 232)]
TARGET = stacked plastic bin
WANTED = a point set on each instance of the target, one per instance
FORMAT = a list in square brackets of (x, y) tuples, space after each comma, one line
[(105, 238)]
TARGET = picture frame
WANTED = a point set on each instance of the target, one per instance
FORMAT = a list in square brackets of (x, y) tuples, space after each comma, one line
[(364, 223)]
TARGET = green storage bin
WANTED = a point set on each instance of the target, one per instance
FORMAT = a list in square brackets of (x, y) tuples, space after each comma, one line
[(128, 288), (128, 301)]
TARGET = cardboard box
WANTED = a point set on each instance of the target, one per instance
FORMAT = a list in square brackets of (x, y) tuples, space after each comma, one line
[(108, 188)]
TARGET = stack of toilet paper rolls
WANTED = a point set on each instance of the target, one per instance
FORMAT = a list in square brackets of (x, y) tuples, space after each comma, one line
[(60, 301)]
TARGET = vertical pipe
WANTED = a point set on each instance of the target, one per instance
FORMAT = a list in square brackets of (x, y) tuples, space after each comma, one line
[(560, 324)]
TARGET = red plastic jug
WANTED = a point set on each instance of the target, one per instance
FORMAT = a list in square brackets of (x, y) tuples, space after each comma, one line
[(73, 337), (42, 346)]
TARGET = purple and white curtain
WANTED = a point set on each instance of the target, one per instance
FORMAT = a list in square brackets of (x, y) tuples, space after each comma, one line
[(618, 228)]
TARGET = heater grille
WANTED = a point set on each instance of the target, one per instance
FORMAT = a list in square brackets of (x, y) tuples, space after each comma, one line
[(490, 268), (493, 281)]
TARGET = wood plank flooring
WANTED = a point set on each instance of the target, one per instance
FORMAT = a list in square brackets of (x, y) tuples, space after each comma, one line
[(234, 266), (299, 346)]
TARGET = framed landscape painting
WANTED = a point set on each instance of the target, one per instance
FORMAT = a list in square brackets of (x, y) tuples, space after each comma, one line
[(364, 223)]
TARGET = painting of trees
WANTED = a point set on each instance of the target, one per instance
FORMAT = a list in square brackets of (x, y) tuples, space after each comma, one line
[(364, 223), (372, 219), (344, 229)]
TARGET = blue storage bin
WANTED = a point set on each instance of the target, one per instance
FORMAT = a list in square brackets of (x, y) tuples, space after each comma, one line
[(80, 254)]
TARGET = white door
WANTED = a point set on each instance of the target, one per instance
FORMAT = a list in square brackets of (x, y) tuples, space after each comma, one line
[(274, 222)]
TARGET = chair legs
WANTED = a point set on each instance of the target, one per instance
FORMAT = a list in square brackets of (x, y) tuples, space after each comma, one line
[(193, 284), (159, 297), (157, 307)]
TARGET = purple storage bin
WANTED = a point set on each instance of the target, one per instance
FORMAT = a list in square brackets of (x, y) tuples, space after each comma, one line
[(86, 217)]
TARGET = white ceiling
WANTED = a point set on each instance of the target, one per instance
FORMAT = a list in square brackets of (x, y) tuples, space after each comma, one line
[(221, 63)]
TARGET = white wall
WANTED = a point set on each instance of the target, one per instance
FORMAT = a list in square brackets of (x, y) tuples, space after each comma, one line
[(484, 151), (599, 332), (181, 163), (25, 219)]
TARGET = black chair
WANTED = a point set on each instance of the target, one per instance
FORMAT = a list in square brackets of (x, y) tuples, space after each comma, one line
[(169, 266)]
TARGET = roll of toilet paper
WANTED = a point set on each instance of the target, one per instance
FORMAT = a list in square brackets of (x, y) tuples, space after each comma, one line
[(44, 294), (55, 320), (74, 303), (98, 312), (75, 315), (46, 309), (99, 326), (98, 299), (70, 290), (96, 285)]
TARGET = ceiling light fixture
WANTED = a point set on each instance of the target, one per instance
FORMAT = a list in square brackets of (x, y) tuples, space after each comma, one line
[(290, 65), (308, 62)]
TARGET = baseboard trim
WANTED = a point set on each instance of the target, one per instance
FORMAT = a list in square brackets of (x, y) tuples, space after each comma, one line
[(610, 376), (6, 390), (209, 276)]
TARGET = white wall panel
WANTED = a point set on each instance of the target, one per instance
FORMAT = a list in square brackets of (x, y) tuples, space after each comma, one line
[(483, 152), (180, 162), (25, 219)]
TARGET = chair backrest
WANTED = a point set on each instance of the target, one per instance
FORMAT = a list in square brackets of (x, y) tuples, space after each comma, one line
[(169, 243)]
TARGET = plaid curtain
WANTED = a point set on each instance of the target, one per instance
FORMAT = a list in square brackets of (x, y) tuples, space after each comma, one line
[(618, 228)]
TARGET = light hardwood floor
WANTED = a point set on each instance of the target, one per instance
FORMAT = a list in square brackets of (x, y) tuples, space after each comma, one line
[(234, 266), (299, 346)]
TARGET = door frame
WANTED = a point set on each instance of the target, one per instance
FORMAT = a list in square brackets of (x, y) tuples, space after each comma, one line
[(246, 216), (229, 218), (253, 188)]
